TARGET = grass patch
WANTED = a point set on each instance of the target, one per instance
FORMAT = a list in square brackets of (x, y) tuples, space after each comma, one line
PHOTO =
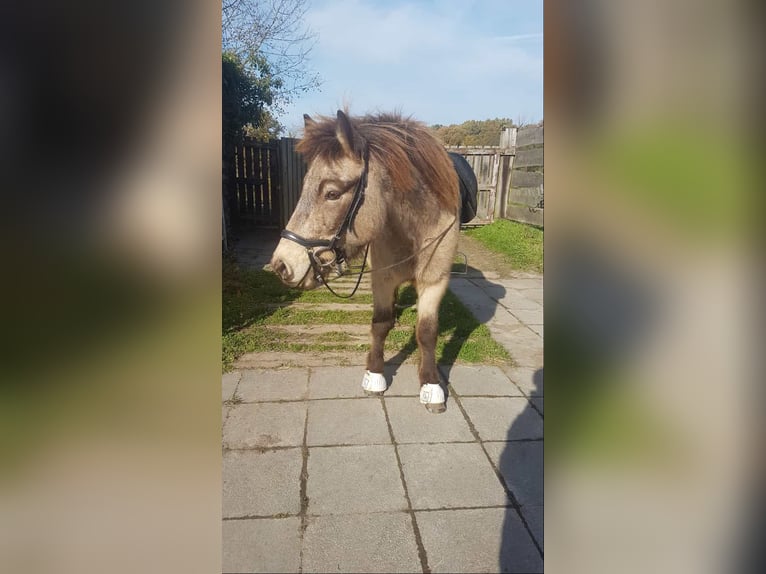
[(250, 322), (521, 245)]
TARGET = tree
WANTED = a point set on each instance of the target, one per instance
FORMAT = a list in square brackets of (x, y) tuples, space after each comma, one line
[(271, 38), (472, 132), (245, 97)]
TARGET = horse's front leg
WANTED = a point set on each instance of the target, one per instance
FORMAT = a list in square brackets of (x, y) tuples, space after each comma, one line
[(383, 295), (427, 330)]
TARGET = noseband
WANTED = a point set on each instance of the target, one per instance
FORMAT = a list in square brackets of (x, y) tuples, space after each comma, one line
[(316, 247)]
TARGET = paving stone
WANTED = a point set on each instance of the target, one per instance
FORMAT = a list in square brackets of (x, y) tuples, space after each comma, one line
[(360, 543), (495, 290), (529, 317), (481, 540), (521, 464), (265, 545), (503, 418), (403, 380), (261, 483), (516, 300), (412, 423), (229, 384), (351, 479), (347, 421), (535, 517), (524, 345), (449, 476), (265, 425), (481, 380), (273, 385), (336, 382), (524, 283), (529, 380), (481, 305)]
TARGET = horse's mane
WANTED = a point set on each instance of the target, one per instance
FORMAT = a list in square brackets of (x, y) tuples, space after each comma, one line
[(404, 146)]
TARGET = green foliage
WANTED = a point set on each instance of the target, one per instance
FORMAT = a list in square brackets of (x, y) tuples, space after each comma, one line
[(472, 132), (247, 92), (520, 244)]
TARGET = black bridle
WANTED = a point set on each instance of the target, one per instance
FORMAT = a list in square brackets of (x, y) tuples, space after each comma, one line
[(316, 247)]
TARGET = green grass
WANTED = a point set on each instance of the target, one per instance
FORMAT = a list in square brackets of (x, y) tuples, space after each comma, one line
[(521, 245), (251, 322)]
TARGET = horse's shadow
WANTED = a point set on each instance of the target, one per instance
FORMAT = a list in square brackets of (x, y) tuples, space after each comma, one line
[(457, 320)]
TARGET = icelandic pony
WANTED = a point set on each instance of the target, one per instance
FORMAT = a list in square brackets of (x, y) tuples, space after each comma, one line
[(385, 182)]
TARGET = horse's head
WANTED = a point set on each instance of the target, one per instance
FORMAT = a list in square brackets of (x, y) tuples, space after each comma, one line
[(336, 155)]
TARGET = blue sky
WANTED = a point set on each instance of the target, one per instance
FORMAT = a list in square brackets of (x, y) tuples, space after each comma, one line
[(441, 61)]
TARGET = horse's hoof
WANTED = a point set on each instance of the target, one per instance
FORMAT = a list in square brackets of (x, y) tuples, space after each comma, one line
[(432, 396), (436, 408), (374, 384)]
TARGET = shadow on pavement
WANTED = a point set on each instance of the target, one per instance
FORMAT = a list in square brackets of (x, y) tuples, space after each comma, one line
[(521, 465)]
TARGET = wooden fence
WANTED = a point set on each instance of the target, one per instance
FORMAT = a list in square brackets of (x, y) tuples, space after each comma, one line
[(262, 181), (510, 176)]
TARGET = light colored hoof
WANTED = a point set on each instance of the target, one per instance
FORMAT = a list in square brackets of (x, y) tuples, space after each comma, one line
[(374, 383), (432, 396)]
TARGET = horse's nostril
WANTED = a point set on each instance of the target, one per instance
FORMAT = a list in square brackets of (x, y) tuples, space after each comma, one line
[(281, 269)]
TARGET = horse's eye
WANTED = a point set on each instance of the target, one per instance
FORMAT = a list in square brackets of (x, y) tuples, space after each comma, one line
[(332, 195)]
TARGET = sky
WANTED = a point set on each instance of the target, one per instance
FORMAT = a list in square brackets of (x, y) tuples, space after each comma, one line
[(440, 61)]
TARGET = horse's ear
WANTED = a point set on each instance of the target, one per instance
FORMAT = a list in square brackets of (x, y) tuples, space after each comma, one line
[(307, 121), (345, 133)]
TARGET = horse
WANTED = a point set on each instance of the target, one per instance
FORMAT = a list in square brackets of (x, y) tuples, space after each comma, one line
[(382, 184)]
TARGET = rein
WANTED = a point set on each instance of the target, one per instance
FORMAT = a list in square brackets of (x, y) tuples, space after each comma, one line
[(315, 247)]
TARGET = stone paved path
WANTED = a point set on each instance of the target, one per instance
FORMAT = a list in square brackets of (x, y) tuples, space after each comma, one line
[(320, 478)]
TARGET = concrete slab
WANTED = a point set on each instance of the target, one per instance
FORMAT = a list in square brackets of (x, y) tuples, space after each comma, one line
[(481, 380), (352, 479), (336, 382), (524, 345), (412, 423), (495, 289), (530, 317), (449, 476), (264, 425), (503, 418), (521, 464), (525, 283), (538, 402), (273, 385), (261, 483), (535, 517), (347, 421), (265, 545), (509, 297), (360, 543), (481, 540), (229, 384), (402, 379), (529, 380)]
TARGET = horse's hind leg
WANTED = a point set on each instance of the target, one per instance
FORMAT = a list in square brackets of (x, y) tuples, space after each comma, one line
[(383, 295), (427, 330)]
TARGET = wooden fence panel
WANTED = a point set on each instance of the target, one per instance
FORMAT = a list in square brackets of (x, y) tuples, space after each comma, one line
[(523, 178), (529, 158), (292, 171), (254, 175), (525, 214), (529, 135), (529, 196)]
